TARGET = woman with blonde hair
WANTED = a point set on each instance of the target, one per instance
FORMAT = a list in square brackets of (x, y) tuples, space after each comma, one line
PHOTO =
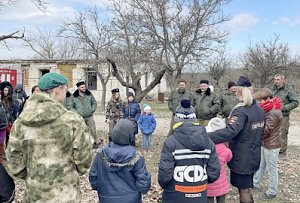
[(244, 132)]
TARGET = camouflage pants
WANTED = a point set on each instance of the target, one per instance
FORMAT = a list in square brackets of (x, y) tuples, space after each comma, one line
[(203, 122), (284, 133), (111, 125), (89, 121), (172, 123)]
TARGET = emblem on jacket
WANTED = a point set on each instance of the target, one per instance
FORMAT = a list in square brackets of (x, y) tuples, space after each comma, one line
[(192, 174)]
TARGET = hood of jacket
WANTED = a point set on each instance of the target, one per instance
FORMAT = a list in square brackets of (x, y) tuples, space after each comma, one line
[(117, 156), (207, 92), (76, 93), (192, 136), (19, 87), (41, 109)]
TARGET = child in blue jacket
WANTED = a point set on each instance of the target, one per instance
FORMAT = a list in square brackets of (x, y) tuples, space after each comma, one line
[(147, 124), (119, 173)]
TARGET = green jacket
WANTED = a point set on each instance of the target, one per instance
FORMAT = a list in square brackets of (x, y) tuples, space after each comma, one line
[(49, 147), (176, 97), (207, 105), (288, 98), (228, 100), (84, 106), (68, 101)]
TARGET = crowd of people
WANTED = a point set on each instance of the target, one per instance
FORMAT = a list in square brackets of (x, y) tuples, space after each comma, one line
[(49, 138)]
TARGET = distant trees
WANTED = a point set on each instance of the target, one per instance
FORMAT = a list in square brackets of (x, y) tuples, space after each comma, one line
[(264, 59)]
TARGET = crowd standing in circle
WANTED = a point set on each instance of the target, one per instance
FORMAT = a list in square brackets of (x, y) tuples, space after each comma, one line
[(52, 136)]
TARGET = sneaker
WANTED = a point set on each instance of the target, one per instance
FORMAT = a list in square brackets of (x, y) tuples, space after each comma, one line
[(265, 196)]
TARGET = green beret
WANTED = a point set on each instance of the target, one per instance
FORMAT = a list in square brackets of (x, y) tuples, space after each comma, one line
[(51, 80)]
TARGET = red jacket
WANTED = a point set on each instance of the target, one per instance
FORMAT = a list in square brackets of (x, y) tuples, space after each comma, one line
[(220, 187)]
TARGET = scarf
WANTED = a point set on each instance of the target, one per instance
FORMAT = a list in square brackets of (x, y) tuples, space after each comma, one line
[(270, 104)]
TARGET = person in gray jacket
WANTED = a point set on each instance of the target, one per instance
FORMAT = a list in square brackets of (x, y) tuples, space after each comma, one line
[(84, 103)]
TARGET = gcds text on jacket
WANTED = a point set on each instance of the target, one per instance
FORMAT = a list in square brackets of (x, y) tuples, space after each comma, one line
[(192, 174)]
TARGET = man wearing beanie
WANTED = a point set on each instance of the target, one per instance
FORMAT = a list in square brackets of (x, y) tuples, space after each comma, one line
[(206, 103), (228, 100), (188, 160), (49, 146), (119, 172), (175, 99), (244, 81), (84, 103)]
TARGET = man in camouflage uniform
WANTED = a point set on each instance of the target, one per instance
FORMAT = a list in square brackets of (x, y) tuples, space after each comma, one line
[(228, 100), (114, 110), (289, 101), (49, 145), (206, 103), (175, 100)]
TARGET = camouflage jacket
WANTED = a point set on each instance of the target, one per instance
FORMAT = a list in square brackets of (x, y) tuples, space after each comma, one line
[(114, 110), (49, 147), (176, 97), (288, 98), (228, 101)]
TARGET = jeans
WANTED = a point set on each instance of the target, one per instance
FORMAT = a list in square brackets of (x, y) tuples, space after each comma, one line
[(269, 159), (146, 143)]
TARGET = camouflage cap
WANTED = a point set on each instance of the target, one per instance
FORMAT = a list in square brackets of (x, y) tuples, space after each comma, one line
[(51, 80)]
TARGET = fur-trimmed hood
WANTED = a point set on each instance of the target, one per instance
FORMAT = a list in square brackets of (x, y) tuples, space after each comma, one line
[(207, 92), (68, 94), (117, 156), (76, 93)]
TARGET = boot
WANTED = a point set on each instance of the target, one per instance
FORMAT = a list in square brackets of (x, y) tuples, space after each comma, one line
[(1, 153)]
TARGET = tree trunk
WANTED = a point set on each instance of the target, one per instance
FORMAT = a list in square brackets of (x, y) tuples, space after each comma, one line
[(103, 95)]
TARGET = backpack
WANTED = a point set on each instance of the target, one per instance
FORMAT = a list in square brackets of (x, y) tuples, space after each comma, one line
[(3, 117)]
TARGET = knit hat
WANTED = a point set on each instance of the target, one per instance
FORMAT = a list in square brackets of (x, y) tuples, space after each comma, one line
[(122, 132), (146, 107), (204, 81), (130, 94), (5, 84), (51, 80), (244, 81), (185, 111), (230, 84), (80, 83), (113, 91), (215, 124)]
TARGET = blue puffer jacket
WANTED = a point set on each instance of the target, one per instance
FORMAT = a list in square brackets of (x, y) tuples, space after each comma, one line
[(132, 112), (119, 174), (147, 123)]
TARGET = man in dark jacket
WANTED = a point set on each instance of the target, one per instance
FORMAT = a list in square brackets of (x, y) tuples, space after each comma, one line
[(188, 160), (289, 102), (228, 99), (206, 103), (119, 172), (175, 99), (84, 103)]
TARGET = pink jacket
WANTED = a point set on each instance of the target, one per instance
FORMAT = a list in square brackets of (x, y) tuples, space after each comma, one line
[(220, 187)]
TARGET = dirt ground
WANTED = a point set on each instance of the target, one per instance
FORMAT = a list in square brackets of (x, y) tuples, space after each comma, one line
[(289, 168)]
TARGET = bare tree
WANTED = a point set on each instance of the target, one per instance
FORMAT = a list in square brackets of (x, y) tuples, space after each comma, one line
[(218, 66), (177, 32), (95, 39), (18, 34), (263, 60)]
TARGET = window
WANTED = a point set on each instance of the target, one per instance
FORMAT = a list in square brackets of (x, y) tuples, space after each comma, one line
[(44, 71), (91, 78)]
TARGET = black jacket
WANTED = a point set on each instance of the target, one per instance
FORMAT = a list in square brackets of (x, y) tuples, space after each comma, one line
[(188, 162), (244, 132), (7, 186)]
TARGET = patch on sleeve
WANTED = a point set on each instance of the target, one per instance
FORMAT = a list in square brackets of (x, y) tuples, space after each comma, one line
[(233, 120)]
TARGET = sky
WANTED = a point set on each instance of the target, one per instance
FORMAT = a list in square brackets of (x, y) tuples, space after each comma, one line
[(250, 21)]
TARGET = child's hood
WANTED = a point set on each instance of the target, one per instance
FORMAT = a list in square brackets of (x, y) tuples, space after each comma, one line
[(117, 156)]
